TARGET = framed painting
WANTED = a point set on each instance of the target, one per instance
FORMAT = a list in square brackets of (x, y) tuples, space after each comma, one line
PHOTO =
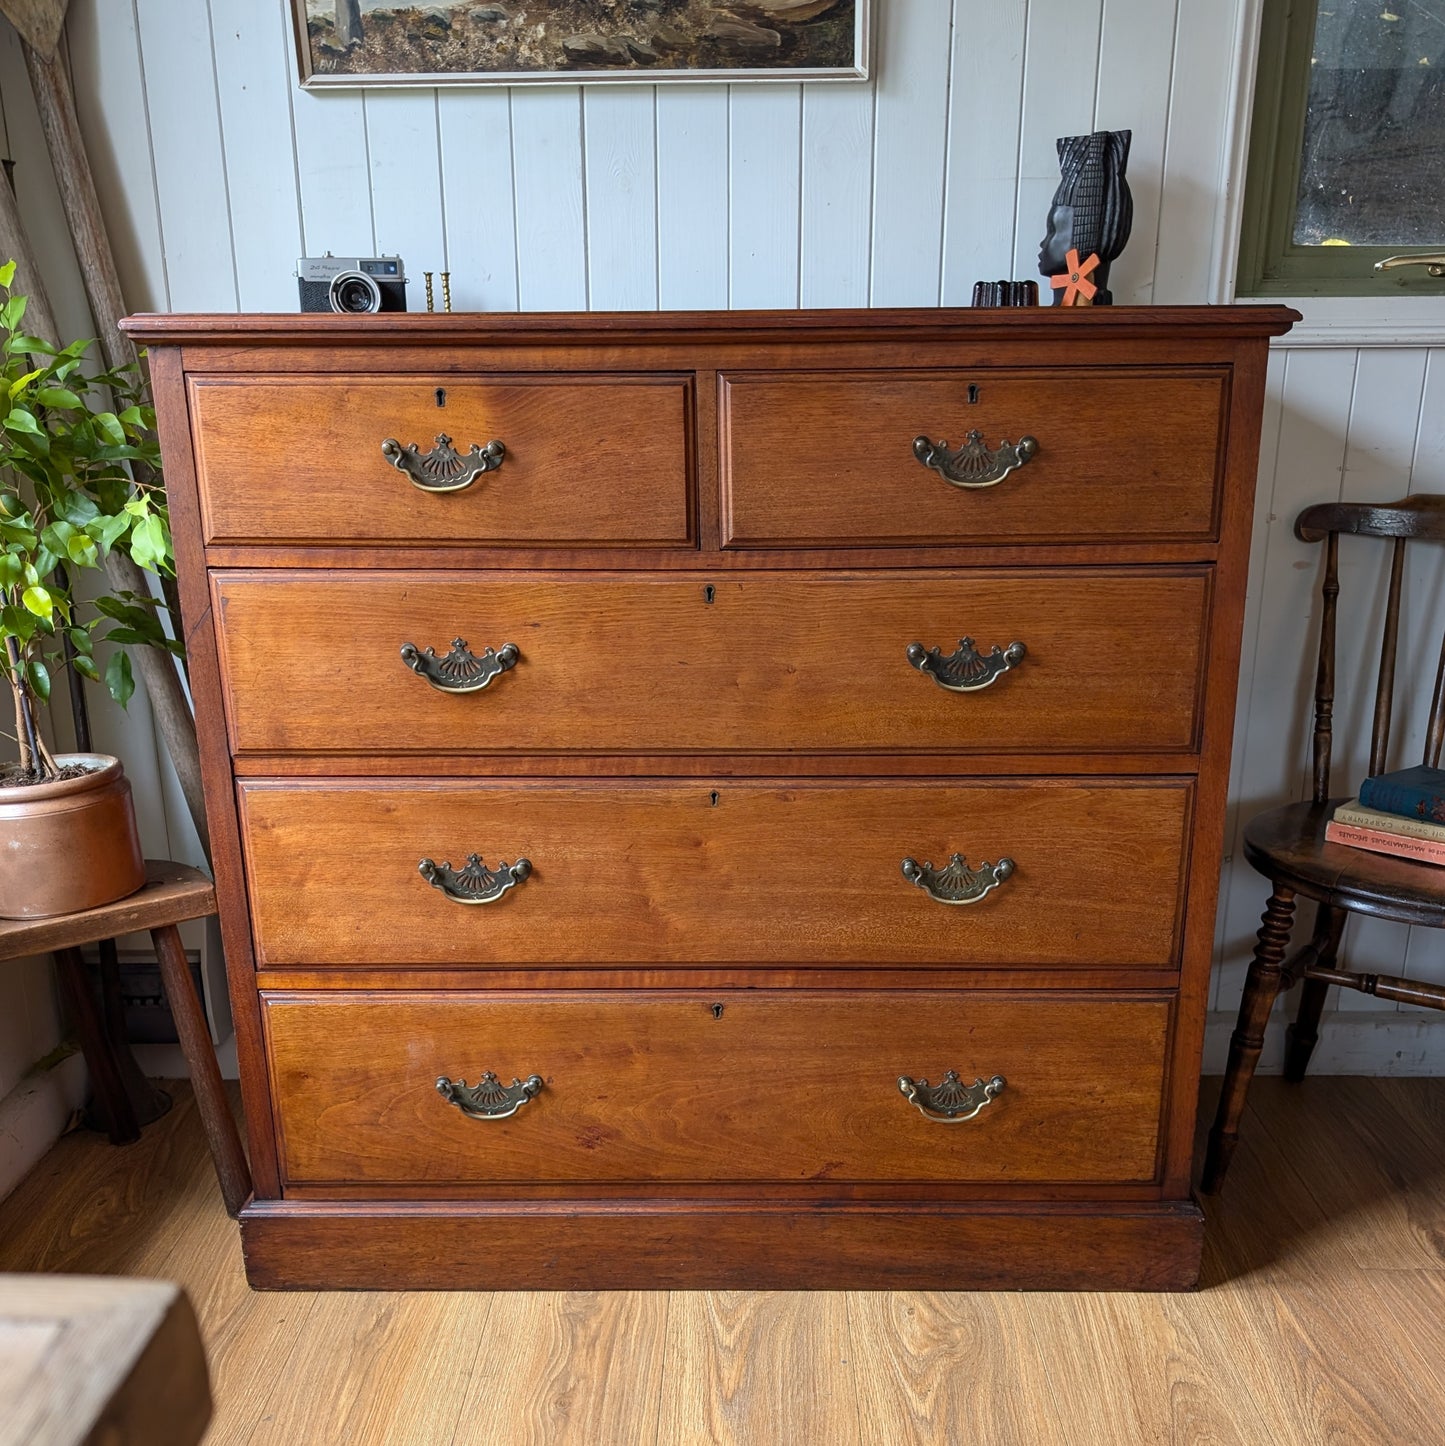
[(513, 42)]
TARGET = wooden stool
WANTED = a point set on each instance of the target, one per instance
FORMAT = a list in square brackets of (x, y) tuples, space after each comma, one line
[(172, 894)]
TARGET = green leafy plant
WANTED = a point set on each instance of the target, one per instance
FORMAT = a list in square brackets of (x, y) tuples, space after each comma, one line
[(79, 465)]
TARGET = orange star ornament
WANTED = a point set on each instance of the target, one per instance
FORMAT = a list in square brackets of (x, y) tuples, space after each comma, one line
[(1078, 289)]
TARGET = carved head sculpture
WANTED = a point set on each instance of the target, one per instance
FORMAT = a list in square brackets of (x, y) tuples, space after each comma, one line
[(1092, 211)]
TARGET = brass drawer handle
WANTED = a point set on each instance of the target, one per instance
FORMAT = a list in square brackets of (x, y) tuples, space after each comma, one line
[(967, 670), (973, 464), (948, 1102), (443, 469), (461, 670), (957, 884), (476, 883), (489, 1098)]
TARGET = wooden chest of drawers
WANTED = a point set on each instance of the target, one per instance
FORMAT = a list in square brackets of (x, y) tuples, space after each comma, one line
[(644, 751)]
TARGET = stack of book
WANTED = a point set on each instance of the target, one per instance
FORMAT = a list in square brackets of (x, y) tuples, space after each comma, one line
[(1401, 813)]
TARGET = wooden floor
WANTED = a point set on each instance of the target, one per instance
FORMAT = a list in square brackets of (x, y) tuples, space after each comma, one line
[(1320, 1319)]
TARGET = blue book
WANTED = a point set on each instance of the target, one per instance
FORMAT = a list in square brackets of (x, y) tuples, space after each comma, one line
[(1417, 792)]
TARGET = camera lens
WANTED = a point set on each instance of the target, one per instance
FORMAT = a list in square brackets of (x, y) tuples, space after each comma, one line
[(354, 292)]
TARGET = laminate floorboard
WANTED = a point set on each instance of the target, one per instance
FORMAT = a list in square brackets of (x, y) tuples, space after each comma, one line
[(586, 1367), (1318, 1320)]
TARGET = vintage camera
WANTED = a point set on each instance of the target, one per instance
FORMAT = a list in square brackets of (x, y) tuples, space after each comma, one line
[(355, 285)]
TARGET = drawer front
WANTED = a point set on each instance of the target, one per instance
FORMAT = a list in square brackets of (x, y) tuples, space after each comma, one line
[(762, 663), (829, 460), (651, 1087), (683, 872), (587, 461)]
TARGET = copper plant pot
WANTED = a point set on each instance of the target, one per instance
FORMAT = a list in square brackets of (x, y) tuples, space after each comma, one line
[(70, 843)]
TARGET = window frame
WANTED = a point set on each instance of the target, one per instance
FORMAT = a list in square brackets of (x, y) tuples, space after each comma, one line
[(1271, 263)]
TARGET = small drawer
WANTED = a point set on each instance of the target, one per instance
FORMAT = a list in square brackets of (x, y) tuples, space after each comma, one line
[(583, 461), (720, 663), (755, 1086), (691, 872), (1121, 456)]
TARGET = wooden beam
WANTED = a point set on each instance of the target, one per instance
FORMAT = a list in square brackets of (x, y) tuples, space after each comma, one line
[(38, 21), (58, 120), (15, 246), (56, 105)]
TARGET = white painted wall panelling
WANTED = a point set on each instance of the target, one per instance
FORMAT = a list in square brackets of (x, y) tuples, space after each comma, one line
[(1362, 425), (620, 160), (475, 130), (910, 143), (985, 109)]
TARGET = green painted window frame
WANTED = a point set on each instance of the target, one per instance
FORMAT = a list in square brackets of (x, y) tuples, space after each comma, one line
[(1270, 263)]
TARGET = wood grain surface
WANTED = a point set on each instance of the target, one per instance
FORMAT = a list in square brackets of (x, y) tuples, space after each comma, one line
[(86, 1359), (746, 871), (742, 1086), (947, 329), (1296, 1339), (588, 459), (828, 459), (713, 749), (172, 893), (658, 664)]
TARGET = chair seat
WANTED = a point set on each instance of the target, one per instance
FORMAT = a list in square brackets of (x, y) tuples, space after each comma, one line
[(1288, 846)]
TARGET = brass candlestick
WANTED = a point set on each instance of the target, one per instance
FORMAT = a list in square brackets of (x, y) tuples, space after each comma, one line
[(429, 304), (446, 291)]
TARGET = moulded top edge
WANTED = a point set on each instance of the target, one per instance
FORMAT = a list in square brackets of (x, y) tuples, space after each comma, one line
[(564, 328)]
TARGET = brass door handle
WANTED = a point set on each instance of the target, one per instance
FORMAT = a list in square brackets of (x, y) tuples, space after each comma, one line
[(957, 883), (967, 670), (461, 670), (443, 469), (489, 1098), (476, 883), (974, 464), (950, 1102)]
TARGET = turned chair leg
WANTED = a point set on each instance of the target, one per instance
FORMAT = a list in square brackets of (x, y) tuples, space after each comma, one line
[(1260, 990), (230, 1160), (1301, 1036)]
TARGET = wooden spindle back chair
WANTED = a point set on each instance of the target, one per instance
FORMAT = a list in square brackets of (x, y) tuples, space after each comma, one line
[(1287, 845)]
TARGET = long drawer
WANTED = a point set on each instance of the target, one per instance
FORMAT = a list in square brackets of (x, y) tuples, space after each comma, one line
[(584, 460), (722, 1087), (760, 663), (829, 459), (737, 872)]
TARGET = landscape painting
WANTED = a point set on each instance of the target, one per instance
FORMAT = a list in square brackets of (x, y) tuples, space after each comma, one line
[(468, 42)]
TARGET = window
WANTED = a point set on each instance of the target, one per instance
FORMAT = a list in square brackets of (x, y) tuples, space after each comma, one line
[(1347, 149)]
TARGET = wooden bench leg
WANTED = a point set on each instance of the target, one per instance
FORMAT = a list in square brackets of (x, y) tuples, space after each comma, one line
[(230, 1160), (112, 1098)]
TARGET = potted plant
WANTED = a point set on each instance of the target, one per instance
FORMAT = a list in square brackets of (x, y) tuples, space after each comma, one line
[(78, 457)]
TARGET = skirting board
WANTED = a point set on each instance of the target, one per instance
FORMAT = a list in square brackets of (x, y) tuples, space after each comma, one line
[(707, 1245), (1367, 1042)]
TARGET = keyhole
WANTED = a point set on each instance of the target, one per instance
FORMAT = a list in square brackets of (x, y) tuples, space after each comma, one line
[(972, 395), (709, 593), (714, 796), (717, 1011), (441, 396)]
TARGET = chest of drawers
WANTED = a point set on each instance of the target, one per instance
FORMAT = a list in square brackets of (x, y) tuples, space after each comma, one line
[(642, 752)]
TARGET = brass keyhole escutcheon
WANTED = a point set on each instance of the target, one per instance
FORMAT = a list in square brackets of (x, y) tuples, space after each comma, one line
[(713, 797), (717, 1011), (709, 593), (441, 396), (973, 394)]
